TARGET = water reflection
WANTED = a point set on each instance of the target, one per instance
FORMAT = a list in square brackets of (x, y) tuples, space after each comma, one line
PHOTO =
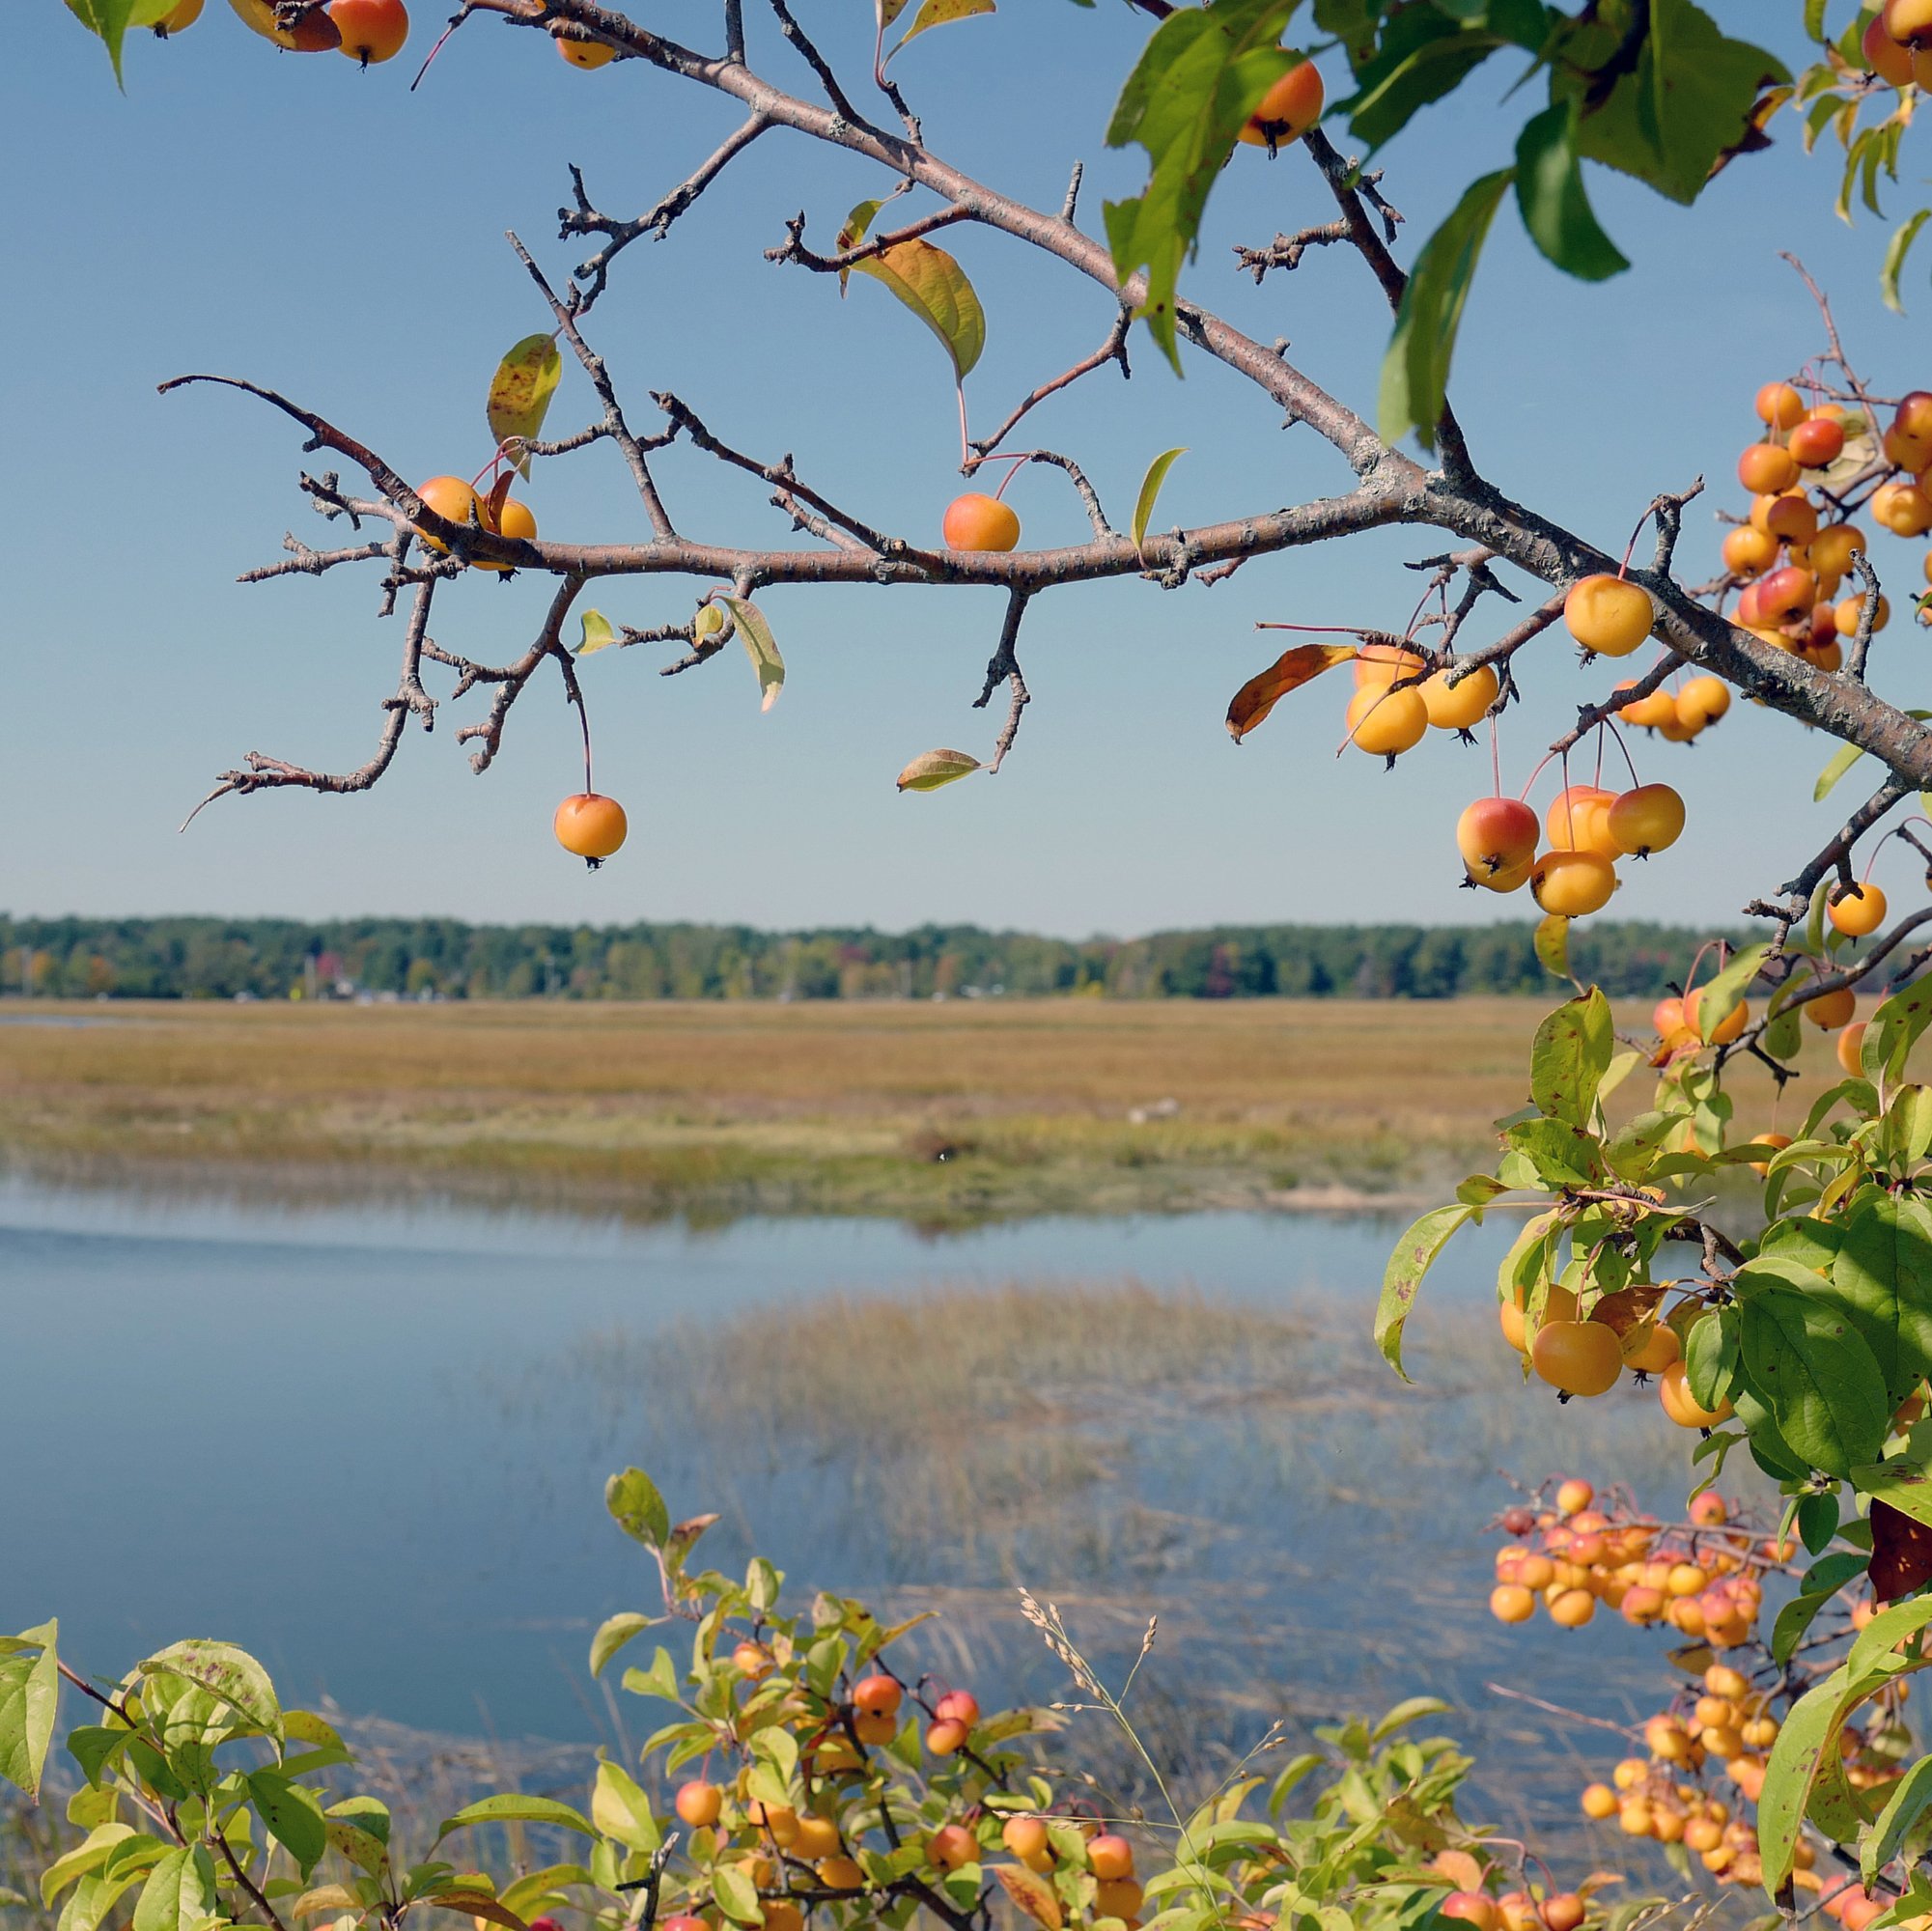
[(398, 1421)]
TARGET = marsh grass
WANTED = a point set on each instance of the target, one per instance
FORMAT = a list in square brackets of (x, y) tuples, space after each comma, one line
[(715, 1109)]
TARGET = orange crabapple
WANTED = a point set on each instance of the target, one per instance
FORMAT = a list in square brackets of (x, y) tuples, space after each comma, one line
[(1786, 595), (452, 500), (1495, 833), (1581, 1357), (1706, 697), (1817, 442), (1287, 110), (1709, 1511), (179, 17), (371, 30), (782, 1914), (1884, 56), (1846, 613), (593, 826), (698, 1803), (1915, 414), (1725, 1029), (1461, 706), (1655, 707), (1650, 817), (1855, 910), (1681, 1406), (586, 54), (1511, 1603), (1748, 551), (1904, 508), (951, 1846), (1387, 723), (1573, 884), (1026, 1837), (977, 521), (1849, 1044), (1767, 469), (947, 1737), (1575, 1496), (1378, 665), (814, 1838), (1651, 1348), (1599, 1801), (1791, 518), (840, 1873), (1830, 1010), (1780, 405), (1470, 1907), (1776, 1141), (1119, 1897), (877, 1695), (1110, 1856), (1609, 615), (957, 1706), (1576, 821)]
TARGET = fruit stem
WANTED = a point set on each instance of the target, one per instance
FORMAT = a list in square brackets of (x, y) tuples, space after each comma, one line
[(1623, 568), (1495, 758), (1020, 463), (966, 445), (1524, 793), (1610, 727)]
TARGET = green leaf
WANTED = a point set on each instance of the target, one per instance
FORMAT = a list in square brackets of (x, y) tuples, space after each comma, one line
[(211, 1691), (1415, 370), (1886, 1631), (932, 769), (1411, 1711), (1570, 1057), (512, 1807), (1725, 993), (1688, 103), (1892, 1033), (1840, 762), (85, 1857), (1553, 944), (934, 286), (1150, 490), (1556, 208), (1793, 1620), (1902, 239), (1906, 1486), (1814, 1370), (1905, 1824), (613, 1633), (1711, 1357), (637, 1508), (620, 1810), (30, 1688), (759, 646), (520, 392), (599, 634), (661, 1679), (737, 1896), (293, 1815), (1203, 71), (1414, 1256), (111, 19), (178, 1893), (1421, 56), (1882, 1278)]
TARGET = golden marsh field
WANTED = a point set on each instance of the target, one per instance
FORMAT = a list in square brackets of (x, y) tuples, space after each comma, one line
[(940, 1111)]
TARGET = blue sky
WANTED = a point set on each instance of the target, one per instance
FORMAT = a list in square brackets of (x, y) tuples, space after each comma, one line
[(329, 233)]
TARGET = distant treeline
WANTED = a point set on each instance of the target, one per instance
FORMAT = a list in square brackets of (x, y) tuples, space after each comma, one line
[(276, 959)]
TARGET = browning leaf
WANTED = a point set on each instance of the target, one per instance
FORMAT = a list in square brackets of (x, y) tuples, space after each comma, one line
[(1032, 1893), (1901, 1552), (1292, 669), (938, 13), (1629, 1308)]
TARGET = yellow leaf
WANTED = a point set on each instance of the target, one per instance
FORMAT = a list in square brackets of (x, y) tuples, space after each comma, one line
[(325, 1897), (1150, 490), (520, 391), (935, 289), (484, 1909), (889, 10), (598, 635), (928, 772), (940, 14), (1259, 695), (759, 646)]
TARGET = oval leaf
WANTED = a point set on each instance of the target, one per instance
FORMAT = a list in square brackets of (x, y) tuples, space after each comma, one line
[(512, 1807), (1292, 669), (935, 289), (934, 769), (1414, 1256), (940, 14), (520, 391)]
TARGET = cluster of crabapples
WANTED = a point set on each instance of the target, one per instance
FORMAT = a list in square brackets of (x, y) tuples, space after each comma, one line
[(1579, 1354), (1791, 555), (587, 824), (1700, 1577), (1707, 1750), (795, 1856), (367, 31), (1897, 44), (1474, 1901)]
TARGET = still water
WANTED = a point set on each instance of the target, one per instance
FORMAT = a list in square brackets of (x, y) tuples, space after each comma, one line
[(370, 1445)]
